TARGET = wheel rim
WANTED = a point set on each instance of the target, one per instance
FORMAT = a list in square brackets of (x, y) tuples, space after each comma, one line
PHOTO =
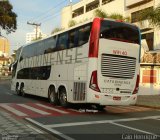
[(63, 98), (22, 91), (51, 97), (17, 91)]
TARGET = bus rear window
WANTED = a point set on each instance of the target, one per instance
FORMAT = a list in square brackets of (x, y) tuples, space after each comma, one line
[(119, 31)]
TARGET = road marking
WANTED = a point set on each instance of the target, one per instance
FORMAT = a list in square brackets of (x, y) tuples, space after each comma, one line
[(34, 109), (51, 108), (35, 129), (14, 111), (100, 122), (135, 129), (157, 119), (9, 93), (50, 130)]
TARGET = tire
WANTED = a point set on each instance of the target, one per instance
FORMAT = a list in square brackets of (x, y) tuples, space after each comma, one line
[(53, 96), (17, 90), (22, 93), (100, 107), (63, 98)]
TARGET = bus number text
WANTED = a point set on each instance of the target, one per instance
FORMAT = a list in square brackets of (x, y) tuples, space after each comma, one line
[(118, 52)]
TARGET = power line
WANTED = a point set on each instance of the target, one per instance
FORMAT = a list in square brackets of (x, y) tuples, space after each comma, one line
[(42, 15)]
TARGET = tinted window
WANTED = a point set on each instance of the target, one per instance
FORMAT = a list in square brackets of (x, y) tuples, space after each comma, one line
[(23, 74), (14, 68), (35, 73), (120, 32), (62, 42), (49, 44), (72, 39), (83, 34)]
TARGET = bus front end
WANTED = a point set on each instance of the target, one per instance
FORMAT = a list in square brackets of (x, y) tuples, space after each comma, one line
[(114, 56)]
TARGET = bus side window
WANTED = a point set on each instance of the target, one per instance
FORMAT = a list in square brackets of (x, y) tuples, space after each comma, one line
[(49, 45), (71, 39), (62, 42), (83, 34), (14, 68)]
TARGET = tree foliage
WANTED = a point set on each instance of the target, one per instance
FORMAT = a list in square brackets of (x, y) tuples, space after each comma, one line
[(72, 23), (8, 19), (57, 30), (102, 14), (151, 14), (36, 39)]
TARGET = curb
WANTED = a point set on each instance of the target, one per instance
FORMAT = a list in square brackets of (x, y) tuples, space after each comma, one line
[(154, 107), (53, 132)]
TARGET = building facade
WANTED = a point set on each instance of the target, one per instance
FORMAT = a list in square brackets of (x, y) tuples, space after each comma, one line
[(37, 33), (84, 10)]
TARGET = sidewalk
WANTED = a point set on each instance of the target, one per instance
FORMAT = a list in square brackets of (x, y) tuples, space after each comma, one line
[(149, 101), (11, 128)]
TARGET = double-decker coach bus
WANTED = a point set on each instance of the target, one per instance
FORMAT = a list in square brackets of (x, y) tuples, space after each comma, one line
[(96, 62)]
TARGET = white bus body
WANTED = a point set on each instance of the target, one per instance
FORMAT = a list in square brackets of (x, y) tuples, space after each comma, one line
[(101, 69)]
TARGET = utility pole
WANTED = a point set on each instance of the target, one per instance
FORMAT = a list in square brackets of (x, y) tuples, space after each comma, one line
[(36, 25)]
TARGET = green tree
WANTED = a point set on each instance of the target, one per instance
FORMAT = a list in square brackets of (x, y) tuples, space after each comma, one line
[(57, 30), (72, 23), (151, 14), (38, 38), (8, 19), (100, 13), (103, 14)]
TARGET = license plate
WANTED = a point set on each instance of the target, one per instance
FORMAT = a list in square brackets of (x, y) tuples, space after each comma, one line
[(117, 98)]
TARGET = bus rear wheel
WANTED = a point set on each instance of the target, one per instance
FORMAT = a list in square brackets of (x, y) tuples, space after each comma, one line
[(17, 90), (22, 93), (63, 98), (53, 96)]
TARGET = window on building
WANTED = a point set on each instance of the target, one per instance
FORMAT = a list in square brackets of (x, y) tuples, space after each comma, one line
[(135, 16), (92, 5), (106, 1), (149, 37), (78, 12)]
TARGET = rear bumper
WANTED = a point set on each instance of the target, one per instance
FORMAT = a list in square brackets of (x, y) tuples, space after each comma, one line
[(104, 99)]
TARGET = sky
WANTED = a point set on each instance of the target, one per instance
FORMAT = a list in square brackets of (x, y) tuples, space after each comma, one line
[(46, 12)]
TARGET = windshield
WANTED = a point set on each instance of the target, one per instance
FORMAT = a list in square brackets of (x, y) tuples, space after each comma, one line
[(119, 31)]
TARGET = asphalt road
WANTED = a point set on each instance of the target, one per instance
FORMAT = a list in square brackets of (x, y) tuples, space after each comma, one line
[(116, 123)]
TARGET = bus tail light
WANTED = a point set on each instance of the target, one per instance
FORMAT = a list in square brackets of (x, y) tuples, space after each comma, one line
[(93, 82), (94, 38), (137, 85)]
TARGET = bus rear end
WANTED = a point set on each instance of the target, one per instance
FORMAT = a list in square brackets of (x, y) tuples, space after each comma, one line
[(114, 56)]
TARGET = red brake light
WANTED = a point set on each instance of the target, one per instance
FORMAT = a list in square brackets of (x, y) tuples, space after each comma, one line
[(93, 82), (137, 85), (94, 38)]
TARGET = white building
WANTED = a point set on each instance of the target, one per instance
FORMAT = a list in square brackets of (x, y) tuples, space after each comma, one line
[(84, 10), (37, 33)]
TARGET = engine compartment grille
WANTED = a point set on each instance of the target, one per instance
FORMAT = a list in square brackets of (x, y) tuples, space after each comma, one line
[(118, 66)]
